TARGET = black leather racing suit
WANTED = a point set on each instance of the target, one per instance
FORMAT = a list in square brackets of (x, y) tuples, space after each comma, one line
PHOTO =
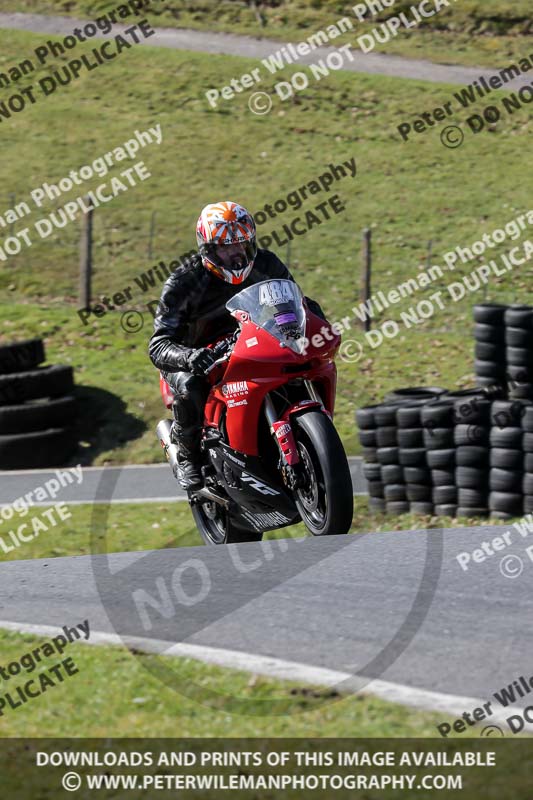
[(192, 314)]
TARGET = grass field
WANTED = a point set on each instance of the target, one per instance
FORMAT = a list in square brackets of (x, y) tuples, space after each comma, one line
[(474, 32), (408, 193)]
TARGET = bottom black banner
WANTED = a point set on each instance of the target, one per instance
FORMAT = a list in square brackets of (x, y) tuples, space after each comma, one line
[(266, 768)]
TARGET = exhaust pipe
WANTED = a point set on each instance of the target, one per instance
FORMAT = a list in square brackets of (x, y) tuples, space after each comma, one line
[(216, 498), (170, 449)]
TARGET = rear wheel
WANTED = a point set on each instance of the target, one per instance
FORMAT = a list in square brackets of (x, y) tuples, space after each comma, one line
[(215, 526), (325, 502)]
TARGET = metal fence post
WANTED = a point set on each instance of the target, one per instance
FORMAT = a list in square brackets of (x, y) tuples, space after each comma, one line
[(12, 203), (366, 274), (151, 239), (86, 255)]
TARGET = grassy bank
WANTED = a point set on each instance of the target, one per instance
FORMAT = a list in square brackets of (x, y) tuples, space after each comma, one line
[(409, 192), (474, 32), (121, 697)]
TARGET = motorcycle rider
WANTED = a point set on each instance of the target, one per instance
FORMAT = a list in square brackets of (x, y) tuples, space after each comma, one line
[(191, 314)]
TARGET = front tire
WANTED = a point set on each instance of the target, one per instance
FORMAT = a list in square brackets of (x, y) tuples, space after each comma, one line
[(325, 503)]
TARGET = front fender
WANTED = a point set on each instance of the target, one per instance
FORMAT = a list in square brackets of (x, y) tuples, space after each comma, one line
[(299, 408)]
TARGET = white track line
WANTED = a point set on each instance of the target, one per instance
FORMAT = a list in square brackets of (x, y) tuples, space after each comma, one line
[(128, 501), (279, 669), (123, 501), (52, 470), (352, 460)]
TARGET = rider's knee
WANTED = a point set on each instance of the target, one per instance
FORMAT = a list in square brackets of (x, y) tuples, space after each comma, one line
[(188, 385)]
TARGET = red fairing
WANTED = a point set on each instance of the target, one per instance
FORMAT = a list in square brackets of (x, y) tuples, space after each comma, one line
[(257, 366)]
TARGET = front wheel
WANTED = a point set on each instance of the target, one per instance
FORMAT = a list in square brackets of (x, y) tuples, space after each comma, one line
[(325, 502)]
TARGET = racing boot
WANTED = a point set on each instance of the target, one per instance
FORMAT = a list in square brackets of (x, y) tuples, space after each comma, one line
[(188, 410), (189, 462)]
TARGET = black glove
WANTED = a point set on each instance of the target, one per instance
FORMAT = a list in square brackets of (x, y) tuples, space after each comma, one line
[(200, 360)]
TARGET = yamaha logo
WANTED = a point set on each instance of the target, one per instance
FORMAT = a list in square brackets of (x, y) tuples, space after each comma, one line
[(235, 388)]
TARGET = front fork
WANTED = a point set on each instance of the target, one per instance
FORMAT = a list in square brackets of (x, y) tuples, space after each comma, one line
[(313, 393), (292, 469)]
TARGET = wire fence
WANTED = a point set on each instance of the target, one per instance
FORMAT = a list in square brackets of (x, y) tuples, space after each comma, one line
[(114, 234), (120, 237)]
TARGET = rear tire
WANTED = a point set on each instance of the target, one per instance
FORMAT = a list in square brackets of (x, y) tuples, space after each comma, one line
[(215, 527), (326, 503)]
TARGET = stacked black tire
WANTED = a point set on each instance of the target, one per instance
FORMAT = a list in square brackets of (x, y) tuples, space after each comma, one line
[(396, 472), (381, 467), (472, 452), (519, 351), (527, 446), (413, 459), (464, 453), (438, 424), (461, 454), (458, 454), (388, 453), (507, 459), (366, 420), (504, 349), (490, 355), (37, 408)]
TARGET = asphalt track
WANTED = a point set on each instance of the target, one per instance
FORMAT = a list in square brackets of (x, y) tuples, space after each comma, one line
[(251, 47), (394, 607), (143, 483)]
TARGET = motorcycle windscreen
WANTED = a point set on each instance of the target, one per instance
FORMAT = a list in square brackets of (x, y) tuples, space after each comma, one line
[(277, 307)]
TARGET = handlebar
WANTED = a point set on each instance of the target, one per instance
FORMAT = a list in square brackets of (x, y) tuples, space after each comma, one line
[(217, 363), (222, 347)]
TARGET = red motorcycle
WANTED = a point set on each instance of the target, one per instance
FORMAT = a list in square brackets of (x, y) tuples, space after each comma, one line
[(272, 456)]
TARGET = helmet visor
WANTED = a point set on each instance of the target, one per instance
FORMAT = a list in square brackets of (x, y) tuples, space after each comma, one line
[(232, 257)]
